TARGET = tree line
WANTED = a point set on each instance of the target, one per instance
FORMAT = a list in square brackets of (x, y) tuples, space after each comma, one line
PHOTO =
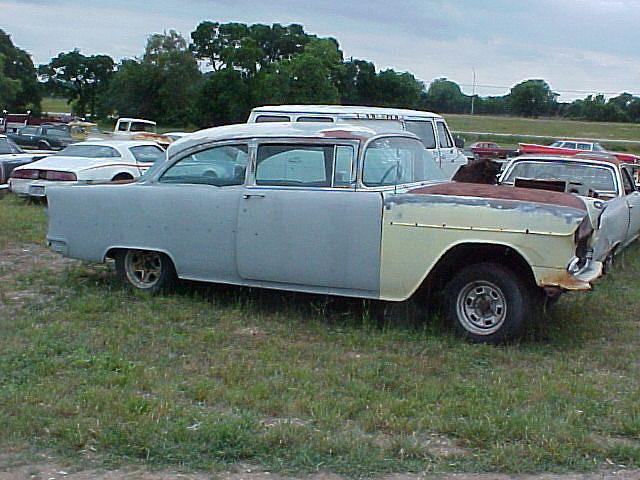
[(226, 69)]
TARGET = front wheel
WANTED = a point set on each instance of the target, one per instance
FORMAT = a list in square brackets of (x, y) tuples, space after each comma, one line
[(145, 270), (487, 303)]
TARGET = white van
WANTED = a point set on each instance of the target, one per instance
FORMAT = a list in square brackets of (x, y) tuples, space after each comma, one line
[(430, 127)]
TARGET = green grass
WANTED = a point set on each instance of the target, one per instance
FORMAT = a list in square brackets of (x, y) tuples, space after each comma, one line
[(544, 126), (55, 104), (212, 375)]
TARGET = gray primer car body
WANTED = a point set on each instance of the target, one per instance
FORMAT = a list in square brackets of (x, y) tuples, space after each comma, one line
[(352, 240)]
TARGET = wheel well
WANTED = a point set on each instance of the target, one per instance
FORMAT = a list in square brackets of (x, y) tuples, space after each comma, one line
[(470, 253), (123, 176)]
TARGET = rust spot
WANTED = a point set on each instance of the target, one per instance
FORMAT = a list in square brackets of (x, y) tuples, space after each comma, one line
[(502, 192), (333, 133), (565, 281)]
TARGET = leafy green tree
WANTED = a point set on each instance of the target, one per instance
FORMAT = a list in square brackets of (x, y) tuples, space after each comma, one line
[(78, 78), (225, 96), (161, 85), (445, 96), (395, 89), (356, 82), (19, 89), (532, 98)]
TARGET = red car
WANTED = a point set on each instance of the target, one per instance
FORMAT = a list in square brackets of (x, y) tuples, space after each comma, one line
[(572, 147), (491, 150)]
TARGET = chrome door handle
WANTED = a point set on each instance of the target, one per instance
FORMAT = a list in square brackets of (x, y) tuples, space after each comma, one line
[(249, 195)]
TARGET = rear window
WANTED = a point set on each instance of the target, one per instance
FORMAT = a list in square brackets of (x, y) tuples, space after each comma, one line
[(147, 153), (90, 151)]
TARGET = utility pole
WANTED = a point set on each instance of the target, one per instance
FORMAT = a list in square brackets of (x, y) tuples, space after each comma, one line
[(473, 90)]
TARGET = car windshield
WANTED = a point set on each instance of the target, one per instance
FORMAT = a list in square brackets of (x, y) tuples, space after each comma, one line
[(90, 151), (395, 160), (7, 146), (582, 176)]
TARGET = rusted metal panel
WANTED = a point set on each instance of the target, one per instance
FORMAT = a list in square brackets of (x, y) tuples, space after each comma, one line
[(503, 192)]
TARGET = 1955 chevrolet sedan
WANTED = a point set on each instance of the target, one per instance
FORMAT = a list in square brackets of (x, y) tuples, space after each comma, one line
[(341, 211)]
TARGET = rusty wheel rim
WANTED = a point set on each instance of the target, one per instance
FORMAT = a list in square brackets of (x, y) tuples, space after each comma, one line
[(481, 307), (143, 269)]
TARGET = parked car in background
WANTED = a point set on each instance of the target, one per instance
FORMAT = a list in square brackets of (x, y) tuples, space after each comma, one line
[(12, 156), (128, 127), (490, 150), (43, 137), (331, 209), (431, 128), (605, 180), (86, 162), (572, 147)]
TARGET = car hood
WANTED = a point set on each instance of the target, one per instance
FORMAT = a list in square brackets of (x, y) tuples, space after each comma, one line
[(503, 192), (72, 164)]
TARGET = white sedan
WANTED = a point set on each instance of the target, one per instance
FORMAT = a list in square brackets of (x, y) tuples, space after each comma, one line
[(86, 162)]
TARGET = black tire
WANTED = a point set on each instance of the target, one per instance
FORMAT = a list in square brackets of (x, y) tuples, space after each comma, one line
[(122, 176), (147, 271), (44, 146), (487, 303)]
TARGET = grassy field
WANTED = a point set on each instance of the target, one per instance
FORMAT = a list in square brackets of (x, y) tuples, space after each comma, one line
[(521, 127), (210, 376), (55, 104)]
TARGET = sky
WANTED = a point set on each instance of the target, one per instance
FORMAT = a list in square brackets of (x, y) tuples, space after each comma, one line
[(579, 47)]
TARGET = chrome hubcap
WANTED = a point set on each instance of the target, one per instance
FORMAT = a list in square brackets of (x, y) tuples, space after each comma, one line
[(143, 269), (481, 307)]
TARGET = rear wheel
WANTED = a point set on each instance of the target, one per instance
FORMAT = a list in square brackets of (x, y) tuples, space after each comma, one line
[(487, 303), (44, 145), (122, 176), (145, 270)]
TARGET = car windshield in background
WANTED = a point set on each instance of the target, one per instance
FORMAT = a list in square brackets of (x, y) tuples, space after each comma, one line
[(142, 127), (392, 161), (594, 177), (90, 151), (147, 153), (7, 146)]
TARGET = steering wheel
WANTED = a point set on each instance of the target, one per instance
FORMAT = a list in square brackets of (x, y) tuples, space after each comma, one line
[(395, 166)]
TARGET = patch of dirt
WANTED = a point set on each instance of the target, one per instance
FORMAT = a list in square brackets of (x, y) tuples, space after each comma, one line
[(26, 260)]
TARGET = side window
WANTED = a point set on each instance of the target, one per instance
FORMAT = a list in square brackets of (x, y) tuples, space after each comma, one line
[(584, 146), (147, 153), (571, 145), (29, 131), (122, 126), (272, 118), (315, 119), (221, 166), (305, 165), (627, 182), (443, 136), (424, 130), (344, 171)]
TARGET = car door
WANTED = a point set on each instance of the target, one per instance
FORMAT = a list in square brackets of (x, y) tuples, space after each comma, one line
[(450, 158), (632, 198), (303, 222), (190, 211)]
